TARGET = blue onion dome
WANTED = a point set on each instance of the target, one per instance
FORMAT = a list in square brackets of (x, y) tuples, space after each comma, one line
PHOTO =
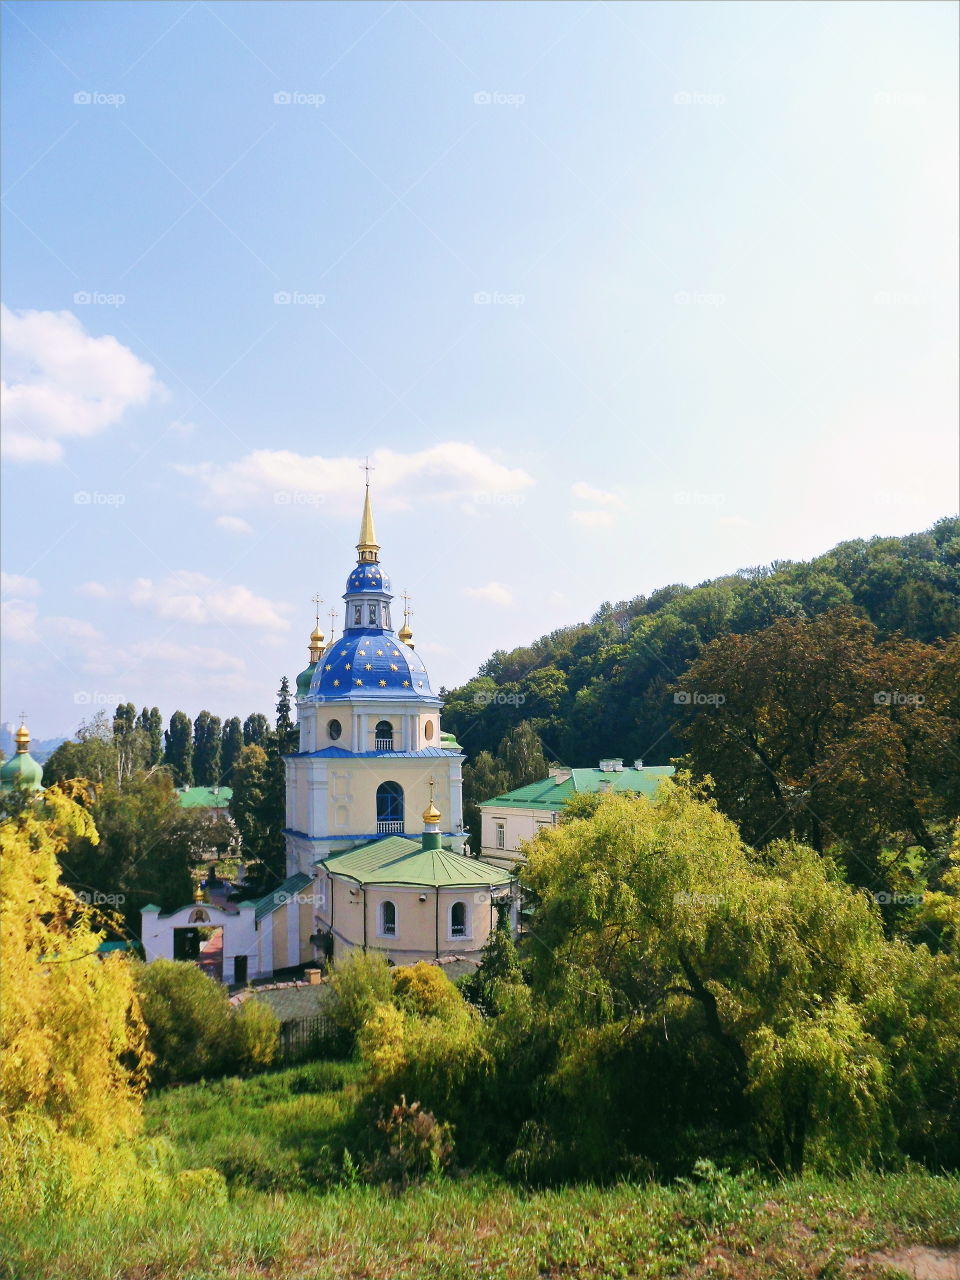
[(370, 664), (367, 577)]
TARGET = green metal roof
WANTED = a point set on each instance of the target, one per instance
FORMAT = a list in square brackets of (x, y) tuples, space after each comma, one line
[(292, 885), (204, 797), (551, 795), (21, 771), (400, 860)]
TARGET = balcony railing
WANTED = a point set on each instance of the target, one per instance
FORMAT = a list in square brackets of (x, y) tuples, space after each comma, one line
[(383, 744), (387, 826)]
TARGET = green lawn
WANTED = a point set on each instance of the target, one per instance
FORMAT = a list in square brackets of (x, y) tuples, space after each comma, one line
[(276, 1135)]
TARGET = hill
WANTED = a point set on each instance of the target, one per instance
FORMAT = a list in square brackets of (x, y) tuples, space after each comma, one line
[(603, 687)]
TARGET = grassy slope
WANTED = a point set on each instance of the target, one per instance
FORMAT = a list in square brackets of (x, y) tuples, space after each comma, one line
[(273, 1129)]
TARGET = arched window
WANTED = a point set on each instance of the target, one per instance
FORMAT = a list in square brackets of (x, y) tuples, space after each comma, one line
[(389, 808), (357, 616), (388, 919), (334, 729), (372, 615), (428, 730), (383, 736), (458, 920)]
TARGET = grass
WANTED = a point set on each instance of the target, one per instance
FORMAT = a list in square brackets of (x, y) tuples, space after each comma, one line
[(275, 1135)]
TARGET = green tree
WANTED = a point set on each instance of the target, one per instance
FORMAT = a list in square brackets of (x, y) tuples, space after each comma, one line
[(522, 753), (150, 722), (178, 753), (231, 746), (499, 967), (286, 732), (256, 730), (483, 779), (206, 750)]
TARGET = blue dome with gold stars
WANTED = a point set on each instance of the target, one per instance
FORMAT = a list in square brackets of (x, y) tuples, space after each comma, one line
[(370, 664), (367, 577)]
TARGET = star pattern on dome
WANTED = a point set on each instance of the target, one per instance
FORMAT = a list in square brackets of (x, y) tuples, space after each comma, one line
[(406, 684), (336, 683), (358, 681), (394, 667), (379, 653), (328, 666), (383, 684)]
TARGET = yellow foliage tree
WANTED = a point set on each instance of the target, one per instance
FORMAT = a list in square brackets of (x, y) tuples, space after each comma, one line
[(73, 1053)]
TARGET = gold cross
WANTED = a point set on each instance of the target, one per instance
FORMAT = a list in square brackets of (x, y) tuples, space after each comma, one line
[(318, 601), (366, 467), (407, 611)]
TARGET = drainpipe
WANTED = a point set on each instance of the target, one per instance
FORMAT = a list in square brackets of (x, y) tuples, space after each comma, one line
[(363, 889), (438, 922)]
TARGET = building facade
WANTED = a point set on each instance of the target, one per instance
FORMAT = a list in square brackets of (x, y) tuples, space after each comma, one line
[(509, 820)]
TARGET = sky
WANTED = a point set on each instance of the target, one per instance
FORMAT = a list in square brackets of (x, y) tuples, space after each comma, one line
[(610, 295)]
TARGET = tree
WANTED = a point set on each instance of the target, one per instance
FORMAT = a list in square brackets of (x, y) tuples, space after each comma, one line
[(286, 732), (483, 779), (206, 750), (522, 754), (251, 808), (151, 723), (256, 730), (499, 967), (72, 1039), (231, 746), (131, 744), (178, 753)]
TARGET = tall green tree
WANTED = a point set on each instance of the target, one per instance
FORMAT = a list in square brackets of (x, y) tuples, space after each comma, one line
[(286, 731), (206, 750), (253, 809), (150, 722), (178, 753), (522, 753), (256, 730), (231, 744), (484, 778)]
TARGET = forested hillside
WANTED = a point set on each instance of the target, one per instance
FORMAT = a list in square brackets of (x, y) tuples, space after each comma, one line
[(606, 687)]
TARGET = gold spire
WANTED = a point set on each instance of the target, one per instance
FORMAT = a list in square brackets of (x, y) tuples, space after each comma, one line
[(431, 814), (22, 737), (316, 635), (368, 548), (405, 634)]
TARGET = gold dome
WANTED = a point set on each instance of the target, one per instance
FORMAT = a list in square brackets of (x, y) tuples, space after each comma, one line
[(22, 738), (316, 637), (198, 893), (432, 814)]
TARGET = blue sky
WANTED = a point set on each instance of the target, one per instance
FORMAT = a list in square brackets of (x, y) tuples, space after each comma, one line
[(613, 295)]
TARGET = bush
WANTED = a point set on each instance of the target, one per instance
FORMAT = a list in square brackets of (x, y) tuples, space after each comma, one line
[(359, 983), (255, 1037), (425, 990), (417, 1143), (188, 1021)]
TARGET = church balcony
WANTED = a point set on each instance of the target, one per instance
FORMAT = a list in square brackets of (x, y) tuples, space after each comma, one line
[(387, 826), (383, 744)]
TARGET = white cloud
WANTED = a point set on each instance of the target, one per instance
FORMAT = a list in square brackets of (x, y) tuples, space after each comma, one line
[(493, 593), (73, 629), (188, 656), (445, 471), (19, 621), (593, 519), (64, 383), (587, 493), (180, 428), (96, 590), (233, 524), (192, 597), (14, 584)]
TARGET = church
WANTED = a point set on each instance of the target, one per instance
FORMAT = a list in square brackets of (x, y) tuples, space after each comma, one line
[(376, 853)]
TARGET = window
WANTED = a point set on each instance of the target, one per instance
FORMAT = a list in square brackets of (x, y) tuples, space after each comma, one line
[(501, 836), (334, 730), (428, 730), (357, 616), (383, 736), (388, 919), (458, 920), (372, 615), (389, 808)]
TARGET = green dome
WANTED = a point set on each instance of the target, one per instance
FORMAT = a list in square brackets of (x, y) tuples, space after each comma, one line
[(304, 679), (21, 771)]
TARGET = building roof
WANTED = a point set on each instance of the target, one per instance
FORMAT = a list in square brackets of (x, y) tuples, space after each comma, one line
[(204, 797), (371, 663), (341, 753), (549, 794), (273, 901), (22, 772), (399, 860)]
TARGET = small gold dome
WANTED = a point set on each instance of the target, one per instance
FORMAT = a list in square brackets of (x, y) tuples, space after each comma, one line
[(198, 893), (431, 813), (22, 738), (405, 634), (316, 637)]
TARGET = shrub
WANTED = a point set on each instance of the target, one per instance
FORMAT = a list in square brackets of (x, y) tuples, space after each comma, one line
[(360, 983), (417, 1142), (188, 1021), (255, 1037), (424, 989)]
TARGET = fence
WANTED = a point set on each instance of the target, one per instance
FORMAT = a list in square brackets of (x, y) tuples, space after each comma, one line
[(317, 1037)]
